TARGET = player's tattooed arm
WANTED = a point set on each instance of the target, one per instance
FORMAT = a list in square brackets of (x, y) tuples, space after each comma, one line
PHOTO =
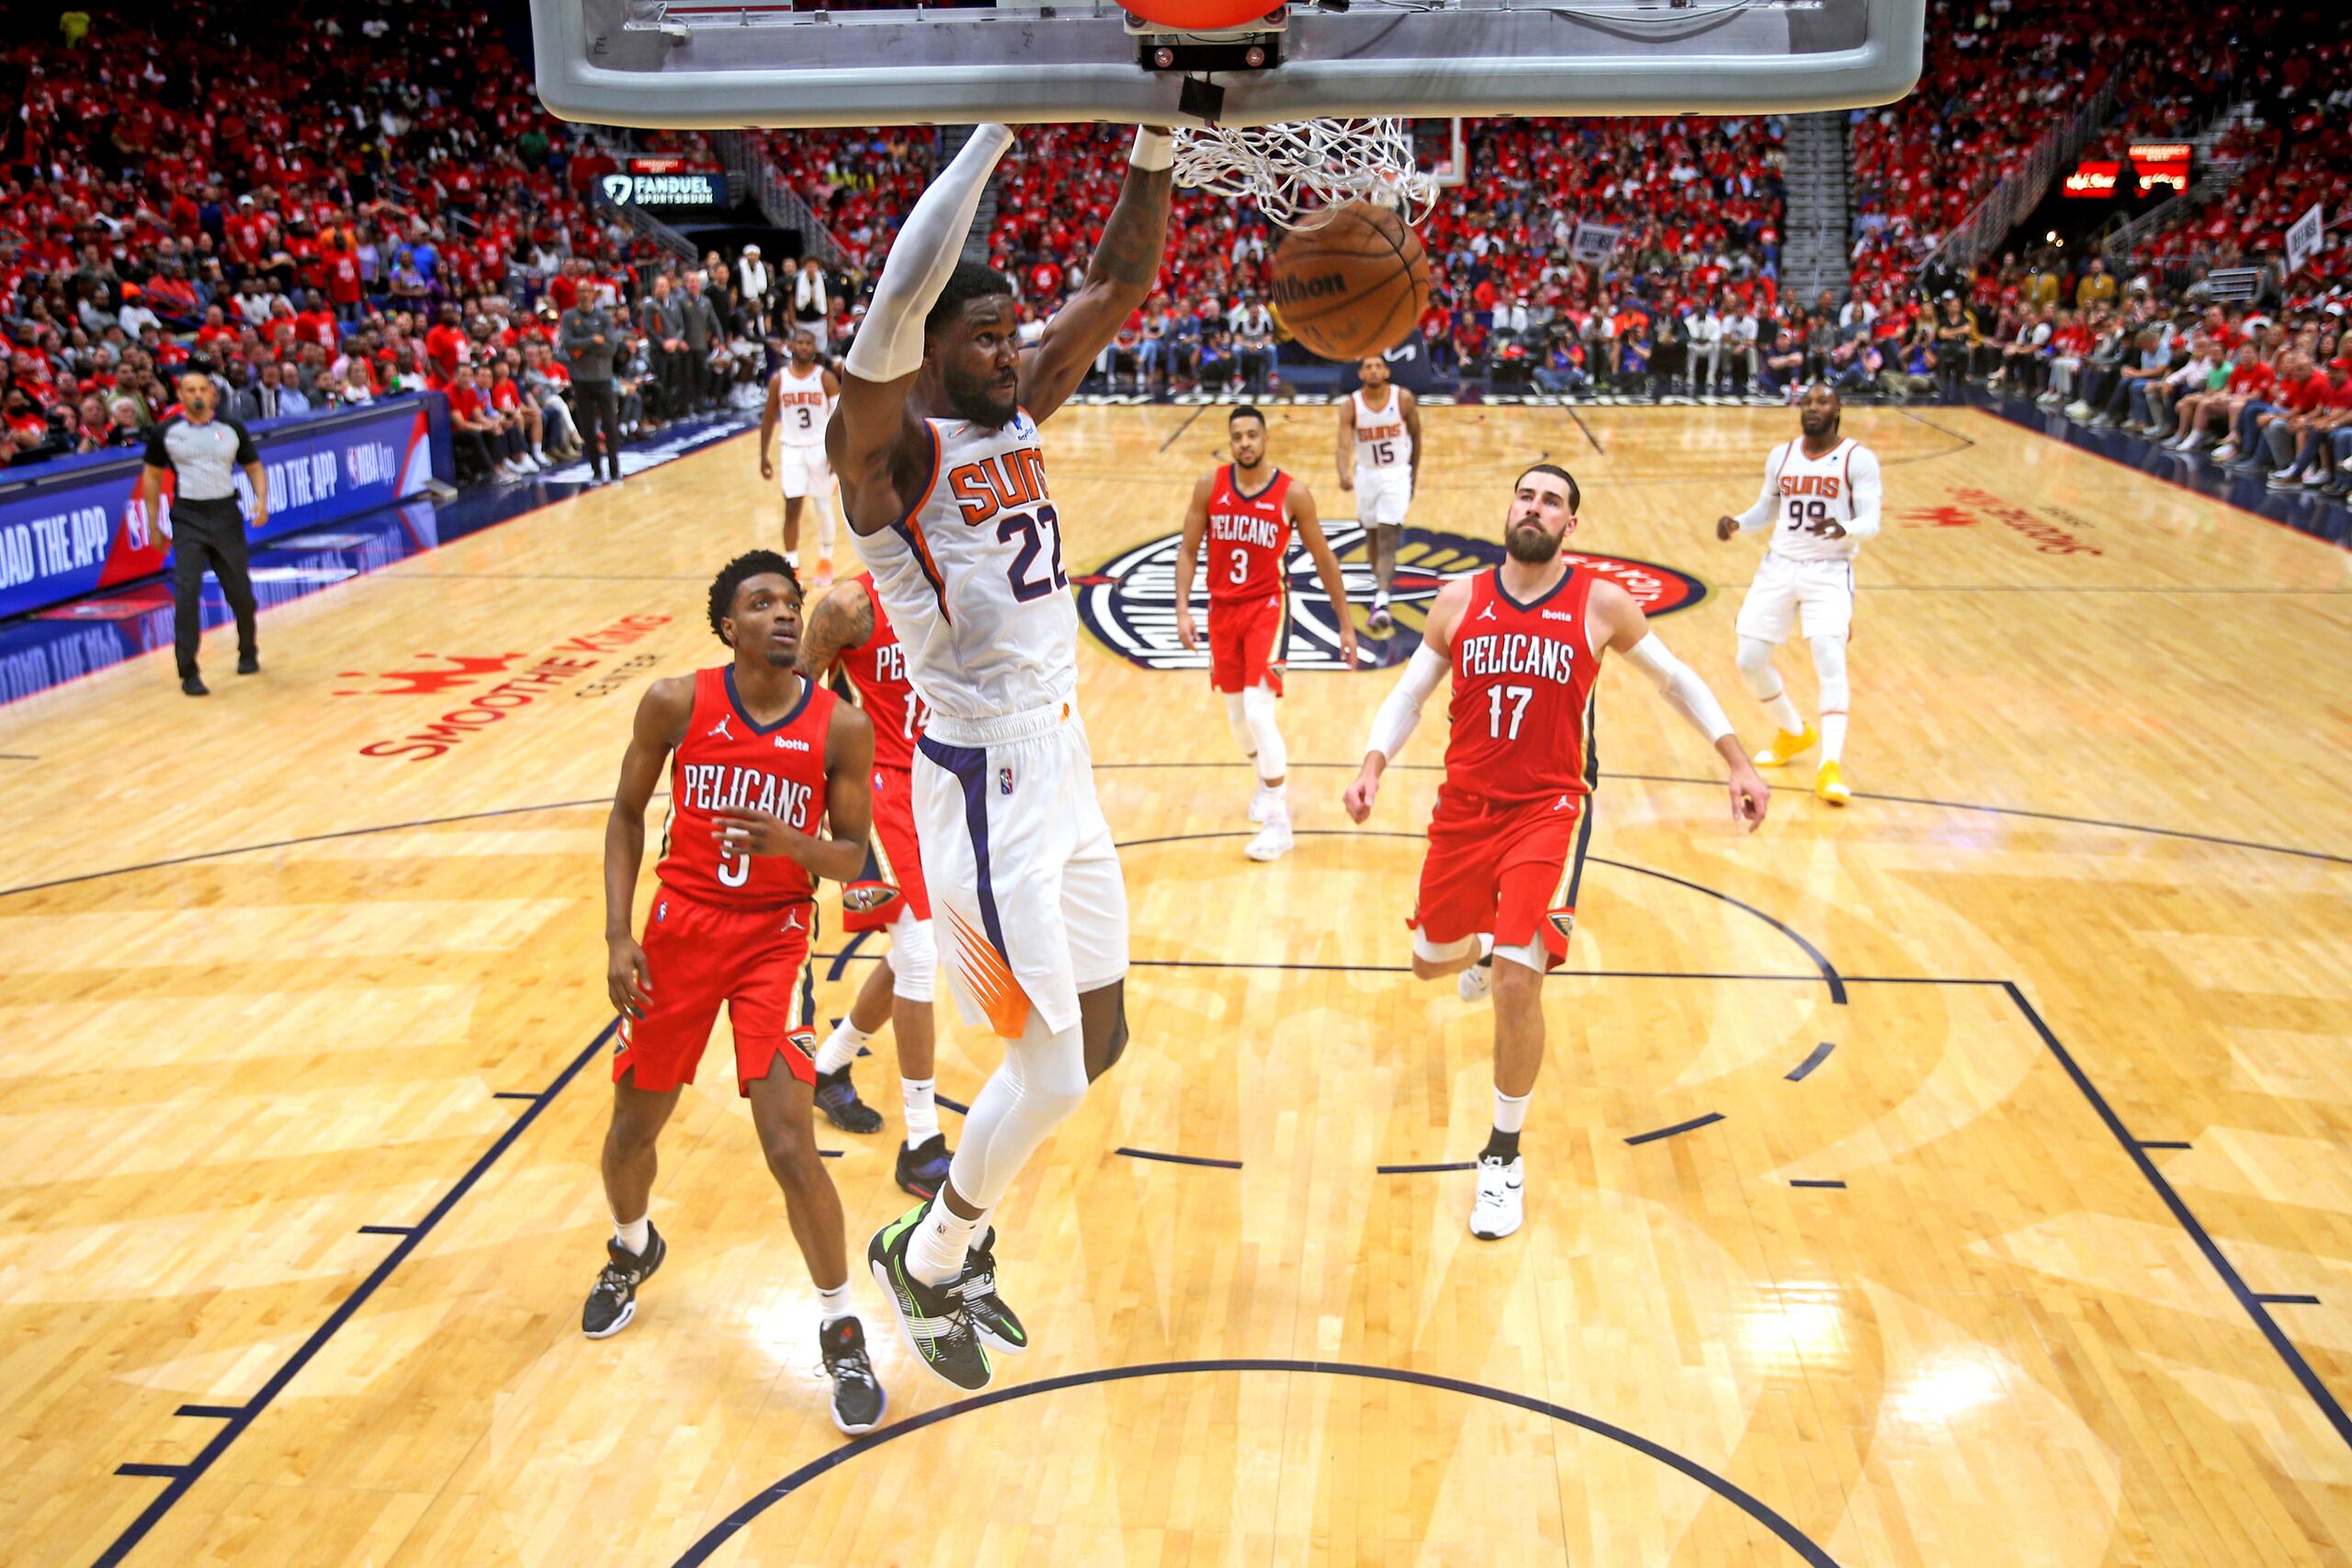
[(1309, 524), (842, 618), (1188, 556), (840, 855), (661, 716), (1119, 280)]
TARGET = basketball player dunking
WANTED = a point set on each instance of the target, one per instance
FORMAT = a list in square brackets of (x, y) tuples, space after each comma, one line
[(1246, 509), (800, 398), (1820, 501), (1507, 839), (760, 758), (1380, 460), (943, 480), (850, 632)]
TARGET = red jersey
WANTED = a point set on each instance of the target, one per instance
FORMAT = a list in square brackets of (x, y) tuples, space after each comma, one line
[(1523, 675), (876, 669), (726, 761), (1248, 538)]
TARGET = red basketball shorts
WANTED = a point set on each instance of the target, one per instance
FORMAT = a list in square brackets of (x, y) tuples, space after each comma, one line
[(1507, 869), (892, 879), (1248, 643), (696, 957)]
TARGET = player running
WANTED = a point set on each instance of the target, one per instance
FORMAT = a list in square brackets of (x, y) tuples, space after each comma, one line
[(1820, 501), (1507, 839), (762, 758), (801, 395), (1246, 509), (943, 478), (1380, 461), (848, 631)]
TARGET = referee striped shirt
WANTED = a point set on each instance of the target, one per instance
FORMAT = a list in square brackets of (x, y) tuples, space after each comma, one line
[(205, 456)]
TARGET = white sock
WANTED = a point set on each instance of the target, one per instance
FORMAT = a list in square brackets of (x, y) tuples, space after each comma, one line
[(1833, 736), (935, 1252), (792, 560), (1785, 713), (923, 1111), (841, 1046), (833, 1305), (1511, 1114), (636, 1234), (1380, 598), (824, 510)]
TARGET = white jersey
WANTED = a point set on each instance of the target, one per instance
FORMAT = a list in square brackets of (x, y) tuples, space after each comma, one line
[(1811, 502), (1383, 444), (974, 580), (802, 406)]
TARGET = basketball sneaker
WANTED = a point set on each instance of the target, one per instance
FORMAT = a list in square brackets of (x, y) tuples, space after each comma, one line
[(837, 1097), (1380, 623), (1474, 983), (1786, 748), (858, 1399), (612, 1301), (934, 1318), (1503, 1186), (991, 1319), (822, 578), (1261, 806), (1273, 839), (924, 1167), (1831, 784)]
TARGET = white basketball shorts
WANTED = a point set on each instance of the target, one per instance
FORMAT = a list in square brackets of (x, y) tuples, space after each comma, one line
[(1382, 495), (1816, 595), (802, 470), (1026, 898)]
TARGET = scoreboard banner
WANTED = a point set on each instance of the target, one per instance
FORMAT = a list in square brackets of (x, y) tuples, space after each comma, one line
[(76, 525)]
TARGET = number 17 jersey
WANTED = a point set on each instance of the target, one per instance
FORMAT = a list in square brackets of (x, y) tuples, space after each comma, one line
[(972, 577), (1521, 712)]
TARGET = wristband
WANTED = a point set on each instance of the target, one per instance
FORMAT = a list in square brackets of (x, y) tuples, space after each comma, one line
[(1153, 148)]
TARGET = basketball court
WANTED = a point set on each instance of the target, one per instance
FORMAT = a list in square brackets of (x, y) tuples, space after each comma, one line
[(1955, 1178)]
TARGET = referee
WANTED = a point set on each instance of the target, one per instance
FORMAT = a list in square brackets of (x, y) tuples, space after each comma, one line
[(205, 527)]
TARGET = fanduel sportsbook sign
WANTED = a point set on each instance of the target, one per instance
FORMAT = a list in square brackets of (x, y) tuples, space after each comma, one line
[(666, 191)]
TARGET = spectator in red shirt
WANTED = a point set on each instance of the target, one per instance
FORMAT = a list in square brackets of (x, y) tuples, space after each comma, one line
[(446, 349), (346, 288), (479, 432)]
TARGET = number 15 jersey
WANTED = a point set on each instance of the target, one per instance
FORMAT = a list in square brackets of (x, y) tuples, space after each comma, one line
[(1809, 492), (973, 579), (1521, 712)]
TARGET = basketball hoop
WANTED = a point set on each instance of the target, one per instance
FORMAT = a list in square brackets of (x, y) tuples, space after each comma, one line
[(1301, 172)]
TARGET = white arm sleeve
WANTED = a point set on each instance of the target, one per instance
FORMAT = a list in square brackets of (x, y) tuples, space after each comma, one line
[(1681, 687), (1767, 499), (890, 342), (1863, 473), (1401, 710)]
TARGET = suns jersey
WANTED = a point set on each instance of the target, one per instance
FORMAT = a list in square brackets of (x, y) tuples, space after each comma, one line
[(973, 578), (877, 672), (1521, 712), (1808, 492), (1383, 444), (801, 407), (1248, 538), (726, 761)]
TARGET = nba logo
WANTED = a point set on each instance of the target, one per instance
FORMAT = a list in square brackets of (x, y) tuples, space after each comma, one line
[(661, 911), (1004, 780)]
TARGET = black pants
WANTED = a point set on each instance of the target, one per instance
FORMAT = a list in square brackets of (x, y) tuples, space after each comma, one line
[(598, 413), (672, 375), (208, 535)]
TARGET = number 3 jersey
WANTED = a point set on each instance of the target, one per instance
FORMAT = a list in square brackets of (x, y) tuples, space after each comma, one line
[(973, 579), (1523, 676), (1807, 493), (726, 763)]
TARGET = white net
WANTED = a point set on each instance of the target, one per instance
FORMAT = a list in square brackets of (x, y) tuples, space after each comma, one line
[(1301, 173)]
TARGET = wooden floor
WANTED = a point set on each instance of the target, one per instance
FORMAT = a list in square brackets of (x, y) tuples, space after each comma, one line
[(2047, 1262)]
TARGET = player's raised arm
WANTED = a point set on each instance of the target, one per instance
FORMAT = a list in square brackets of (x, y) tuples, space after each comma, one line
[(1188, 556), (1760, 514), (1348, 442), (1392, 725), (840, 855), (661, 717), (1118, 280), (1410, 407), (875, 440), (1304, 518), (1613, 610), (842, 618)]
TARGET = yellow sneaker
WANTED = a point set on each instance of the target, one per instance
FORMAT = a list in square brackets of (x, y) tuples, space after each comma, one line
[(1786, 748), (1831, 784)]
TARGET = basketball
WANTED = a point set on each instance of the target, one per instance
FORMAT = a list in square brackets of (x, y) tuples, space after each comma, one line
[(1354, 286)]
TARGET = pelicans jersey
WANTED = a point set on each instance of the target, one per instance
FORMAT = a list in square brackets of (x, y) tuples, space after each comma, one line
[(726, 761), (877, 670), (1384, 476), (891, 886), (1249, 543)]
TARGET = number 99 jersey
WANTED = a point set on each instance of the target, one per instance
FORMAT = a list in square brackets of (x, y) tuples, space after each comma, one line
[(725, 763), (1816, 500)]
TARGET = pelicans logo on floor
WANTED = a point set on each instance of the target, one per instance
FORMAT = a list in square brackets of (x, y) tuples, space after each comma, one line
[(1130, 603)]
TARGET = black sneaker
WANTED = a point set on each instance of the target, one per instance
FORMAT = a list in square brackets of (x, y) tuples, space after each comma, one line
[(991, 1319), (923, 1168), (858, 1399), (937, 1323), (194, 686), (837, 1097), (612, 1301), (249, 664)]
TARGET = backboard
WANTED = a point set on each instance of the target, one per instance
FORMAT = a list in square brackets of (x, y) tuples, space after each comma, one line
[(692, 63)]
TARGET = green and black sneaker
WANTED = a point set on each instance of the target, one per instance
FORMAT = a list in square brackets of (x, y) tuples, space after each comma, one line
[(934, 1318), (991, 1319)]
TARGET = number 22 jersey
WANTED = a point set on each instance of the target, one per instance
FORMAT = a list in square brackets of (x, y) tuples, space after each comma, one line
[(726, 763)]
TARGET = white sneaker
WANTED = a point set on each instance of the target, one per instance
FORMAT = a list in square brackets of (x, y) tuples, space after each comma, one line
[(1501, 1192), (2227, 452), (1473, 984), (2078, 409), (1274, 840)]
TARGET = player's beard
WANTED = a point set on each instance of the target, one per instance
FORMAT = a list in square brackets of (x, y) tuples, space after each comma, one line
[(970, 400), (1528, 544)]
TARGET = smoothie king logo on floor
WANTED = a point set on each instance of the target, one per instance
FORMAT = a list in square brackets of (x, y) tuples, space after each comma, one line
[(489, 688), (1130, 603)]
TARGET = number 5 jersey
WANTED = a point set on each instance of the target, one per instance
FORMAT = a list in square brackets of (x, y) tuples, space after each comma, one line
[(726, 763)]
